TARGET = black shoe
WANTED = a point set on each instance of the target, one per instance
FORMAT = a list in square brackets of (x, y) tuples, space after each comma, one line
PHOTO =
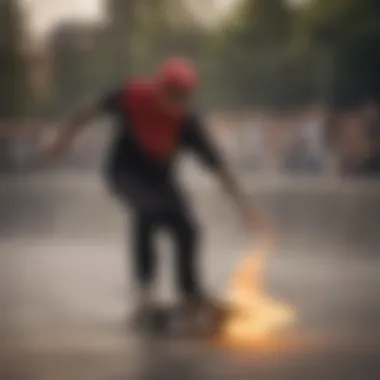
[(152, 320), (207, 314)]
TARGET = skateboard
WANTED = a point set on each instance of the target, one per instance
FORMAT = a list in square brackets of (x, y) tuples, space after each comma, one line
[(177, 321)]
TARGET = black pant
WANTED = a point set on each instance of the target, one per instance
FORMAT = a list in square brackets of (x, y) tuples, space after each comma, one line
[(159, 203)]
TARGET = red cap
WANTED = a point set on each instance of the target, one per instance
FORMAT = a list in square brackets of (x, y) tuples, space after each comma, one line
[(178, 73)]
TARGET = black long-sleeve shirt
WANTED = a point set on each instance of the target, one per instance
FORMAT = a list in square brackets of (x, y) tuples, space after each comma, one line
[(126, 154)]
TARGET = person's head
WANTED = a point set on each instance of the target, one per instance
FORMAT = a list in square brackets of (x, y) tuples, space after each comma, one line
[(176, 80)]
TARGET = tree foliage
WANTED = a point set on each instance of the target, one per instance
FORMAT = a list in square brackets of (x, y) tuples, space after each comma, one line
[(14, 94), (269, 53), (350, 30), (265, 53), (163, 28), (254, 54)]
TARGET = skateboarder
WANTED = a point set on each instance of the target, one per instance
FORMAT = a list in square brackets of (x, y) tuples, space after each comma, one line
[(154, 122)]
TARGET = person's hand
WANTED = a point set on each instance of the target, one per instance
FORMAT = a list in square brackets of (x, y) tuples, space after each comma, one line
[(254, 220), (259, 223)]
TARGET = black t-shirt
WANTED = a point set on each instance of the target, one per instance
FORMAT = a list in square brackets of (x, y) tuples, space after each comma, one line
[(127, 155)]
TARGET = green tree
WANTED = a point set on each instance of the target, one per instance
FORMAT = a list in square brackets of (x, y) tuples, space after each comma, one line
[(166, 27), (350, 31), (255, 57), (14, 92), (118, 39), (74, 76)]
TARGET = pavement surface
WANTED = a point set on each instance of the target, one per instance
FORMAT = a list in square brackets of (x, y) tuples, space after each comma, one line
[(66, 287)]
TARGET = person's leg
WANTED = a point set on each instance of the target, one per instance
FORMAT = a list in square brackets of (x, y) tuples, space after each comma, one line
[(140, 195), (162, 204), (185, 234), (144, 255), (197, 306), (177, 217)]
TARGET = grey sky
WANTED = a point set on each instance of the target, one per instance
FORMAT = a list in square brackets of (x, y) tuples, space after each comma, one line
[(43, 14)]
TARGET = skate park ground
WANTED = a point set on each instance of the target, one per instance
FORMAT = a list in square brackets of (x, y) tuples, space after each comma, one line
[(66, 288)]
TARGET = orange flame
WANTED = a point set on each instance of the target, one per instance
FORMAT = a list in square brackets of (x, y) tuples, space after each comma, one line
[(256, 317)]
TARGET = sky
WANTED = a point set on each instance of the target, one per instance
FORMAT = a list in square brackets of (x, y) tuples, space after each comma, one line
[(44, 14)]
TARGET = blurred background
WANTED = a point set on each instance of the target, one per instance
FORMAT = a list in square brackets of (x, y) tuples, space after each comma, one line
[(293, 84), (291, 92)]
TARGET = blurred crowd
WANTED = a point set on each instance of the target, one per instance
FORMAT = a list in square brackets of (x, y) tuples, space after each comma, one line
[(310, 141)]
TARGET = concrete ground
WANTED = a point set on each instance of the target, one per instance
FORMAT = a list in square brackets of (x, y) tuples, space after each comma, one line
[(66, 288)]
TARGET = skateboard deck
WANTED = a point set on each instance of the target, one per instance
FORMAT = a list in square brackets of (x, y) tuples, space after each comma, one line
[(176, 321)]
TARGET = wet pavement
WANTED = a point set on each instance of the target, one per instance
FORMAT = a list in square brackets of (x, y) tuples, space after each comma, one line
[(66, 288)]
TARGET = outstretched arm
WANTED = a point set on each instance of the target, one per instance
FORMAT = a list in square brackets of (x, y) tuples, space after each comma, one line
[(71, 126), (74, 123), (197, 140)]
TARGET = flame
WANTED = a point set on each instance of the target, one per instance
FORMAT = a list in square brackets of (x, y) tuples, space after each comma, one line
[(256, 317)]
